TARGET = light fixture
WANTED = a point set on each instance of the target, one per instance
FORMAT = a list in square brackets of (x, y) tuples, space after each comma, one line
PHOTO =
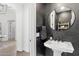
[(62, 8), (3, 8)]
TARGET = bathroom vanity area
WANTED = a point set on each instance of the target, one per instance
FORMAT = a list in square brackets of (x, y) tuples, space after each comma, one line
[(59, 47), (59, 21)]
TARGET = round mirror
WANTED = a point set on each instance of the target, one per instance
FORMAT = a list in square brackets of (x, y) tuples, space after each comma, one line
[(61, 18)]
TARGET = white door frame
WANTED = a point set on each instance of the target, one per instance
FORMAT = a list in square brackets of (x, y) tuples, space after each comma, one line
[(33, 29)]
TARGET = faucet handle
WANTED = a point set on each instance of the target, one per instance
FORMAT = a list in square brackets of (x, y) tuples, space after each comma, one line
[(51, 38)]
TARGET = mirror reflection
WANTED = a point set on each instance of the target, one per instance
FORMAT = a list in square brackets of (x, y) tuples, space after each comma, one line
[(62, 18)]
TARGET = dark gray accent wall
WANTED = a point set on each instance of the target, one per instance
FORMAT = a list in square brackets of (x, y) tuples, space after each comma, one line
[(72, 34)]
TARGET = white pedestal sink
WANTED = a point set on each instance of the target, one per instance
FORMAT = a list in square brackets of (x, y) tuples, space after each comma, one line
[(58, 47)]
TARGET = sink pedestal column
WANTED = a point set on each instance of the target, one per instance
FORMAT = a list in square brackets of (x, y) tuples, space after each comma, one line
[(57, 53)]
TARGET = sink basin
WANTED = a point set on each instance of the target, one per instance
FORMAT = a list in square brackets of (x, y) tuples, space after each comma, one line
[(58, 47)]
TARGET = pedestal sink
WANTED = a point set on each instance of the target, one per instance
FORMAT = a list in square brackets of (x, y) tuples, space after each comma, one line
[(58, 47)]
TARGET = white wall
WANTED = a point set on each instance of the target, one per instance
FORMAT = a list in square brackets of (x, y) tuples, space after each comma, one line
[(25, 27), (19, 33), (29, 27), (19, 18)]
